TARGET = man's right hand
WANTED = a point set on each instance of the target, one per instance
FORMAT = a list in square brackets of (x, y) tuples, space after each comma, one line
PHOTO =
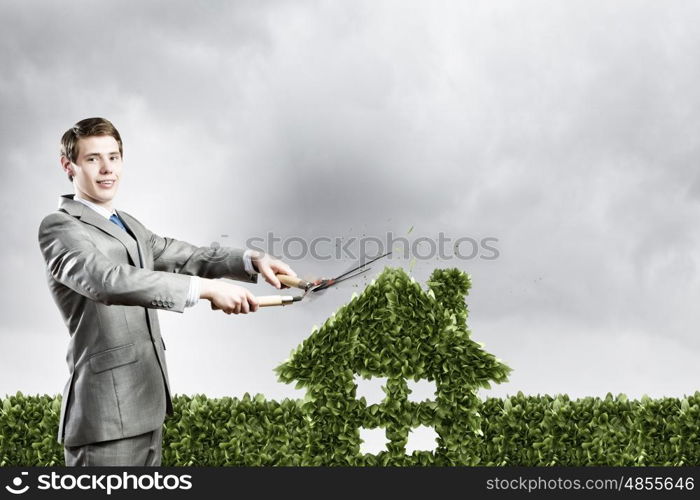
[(230, 298)]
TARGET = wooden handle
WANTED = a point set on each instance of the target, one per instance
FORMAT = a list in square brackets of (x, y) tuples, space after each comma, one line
[(293, 281), (274, 300), (268, 300)]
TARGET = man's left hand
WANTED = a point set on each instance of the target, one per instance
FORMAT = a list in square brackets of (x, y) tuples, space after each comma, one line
[(269, 266)]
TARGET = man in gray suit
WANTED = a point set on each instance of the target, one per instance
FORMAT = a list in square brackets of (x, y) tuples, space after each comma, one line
[(108, 275)]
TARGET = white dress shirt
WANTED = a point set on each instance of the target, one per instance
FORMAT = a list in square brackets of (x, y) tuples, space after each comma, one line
[(193, 291)]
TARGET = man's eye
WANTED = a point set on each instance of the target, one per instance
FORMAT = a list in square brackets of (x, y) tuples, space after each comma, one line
[(114, 158)]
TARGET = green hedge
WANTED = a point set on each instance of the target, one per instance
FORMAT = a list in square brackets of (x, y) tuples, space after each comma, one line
[(546, 430), (231, 431), (519, 430)]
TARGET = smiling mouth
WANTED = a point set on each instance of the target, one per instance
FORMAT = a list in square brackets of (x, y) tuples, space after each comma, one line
[(106, 182)]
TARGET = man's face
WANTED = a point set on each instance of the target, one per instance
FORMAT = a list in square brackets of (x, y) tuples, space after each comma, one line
[(97, 169)]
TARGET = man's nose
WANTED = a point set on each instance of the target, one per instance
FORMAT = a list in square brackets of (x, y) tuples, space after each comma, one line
[(105, 167)]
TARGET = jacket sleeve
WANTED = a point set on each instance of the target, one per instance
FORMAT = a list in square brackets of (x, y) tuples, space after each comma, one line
[(175, 256), (74, 260)]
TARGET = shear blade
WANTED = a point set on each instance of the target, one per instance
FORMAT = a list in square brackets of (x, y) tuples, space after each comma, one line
[(363, 264), (331, 283)]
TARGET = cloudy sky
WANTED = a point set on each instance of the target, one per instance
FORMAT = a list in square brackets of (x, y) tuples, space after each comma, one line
[(567, 131)]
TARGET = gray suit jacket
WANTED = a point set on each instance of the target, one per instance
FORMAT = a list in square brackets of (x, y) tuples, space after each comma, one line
[(108, 287)]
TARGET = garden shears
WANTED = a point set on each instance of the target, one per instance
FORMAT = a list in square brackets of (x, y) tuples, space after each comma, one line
[(312, 287)]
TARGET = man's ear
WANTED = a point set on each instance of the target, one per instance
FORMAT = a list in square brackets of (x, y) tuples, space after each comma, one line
[(67, 166)]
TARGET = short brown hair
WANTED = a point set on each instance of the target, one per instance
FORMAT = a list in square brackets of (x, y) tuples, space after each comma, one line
[(86, 128)]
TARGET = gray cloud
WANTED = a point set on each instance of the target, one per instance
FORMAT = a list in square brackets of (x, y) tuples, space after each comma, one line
[(567, 131)]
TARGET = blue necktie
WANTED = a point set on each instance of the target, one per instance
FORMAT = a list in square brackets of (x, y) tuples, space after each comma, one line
[(114, 218), (117, 221)]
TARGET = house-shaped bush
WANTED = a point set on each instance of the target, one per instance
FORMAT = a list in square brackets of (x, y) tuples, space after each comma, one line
[(395, 329)]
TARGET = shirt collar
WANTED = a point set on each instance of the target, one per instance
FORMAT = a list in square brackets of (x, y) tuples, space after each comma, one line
[(100, 210)]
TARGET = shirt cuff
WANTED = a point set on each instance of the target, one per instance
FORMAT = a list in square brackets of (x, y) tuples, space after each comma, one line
[(193, 292), (248, 262)]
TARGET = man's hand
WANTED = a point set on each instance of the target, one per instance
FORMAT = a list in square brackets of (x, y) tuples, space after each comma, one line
[(230, 298), (269, 266)]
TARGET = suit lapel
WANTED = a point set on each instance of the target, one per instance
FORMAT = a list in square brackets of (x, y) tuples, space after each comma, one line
[(91, 217), (131, 223), (132, 229)]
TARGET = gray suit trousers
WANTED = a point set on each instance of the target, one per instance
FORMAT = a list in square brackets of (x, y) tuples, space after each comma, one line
[(142, 450)]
